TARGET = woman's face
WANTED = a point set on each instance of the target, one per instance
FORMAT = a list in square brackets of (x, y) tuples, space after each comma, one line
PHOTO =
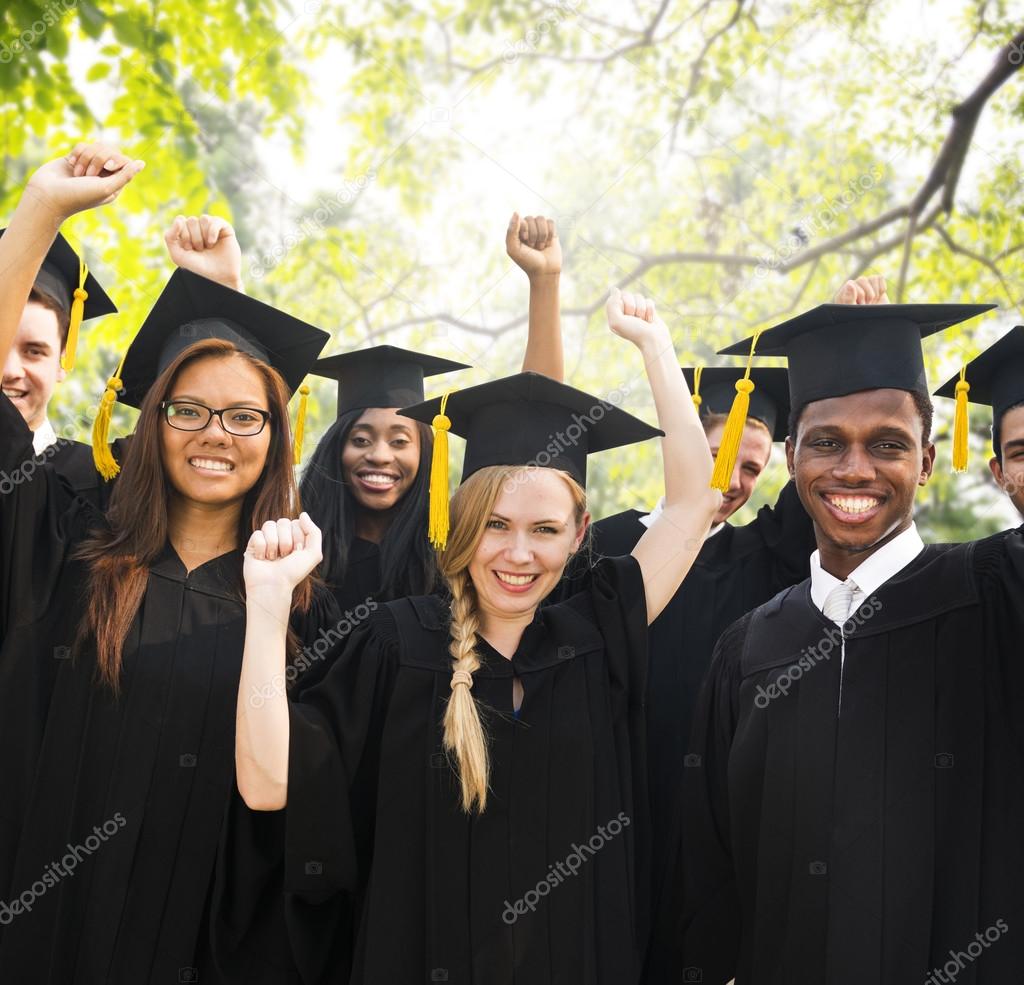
[(212, 466), (381, 457), (527, 540)]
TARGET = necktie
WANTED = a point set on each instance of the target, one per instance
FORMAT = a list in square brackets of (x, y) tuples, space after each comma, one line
[(838, 602)]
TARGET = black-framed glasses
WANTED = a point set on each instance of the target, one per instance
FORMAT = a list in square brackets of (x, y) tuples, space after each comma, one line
[(186, 415)]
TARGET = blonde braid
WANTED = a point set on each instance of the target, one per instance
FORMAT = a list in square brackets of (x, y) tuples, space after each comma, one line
[(463, 731)]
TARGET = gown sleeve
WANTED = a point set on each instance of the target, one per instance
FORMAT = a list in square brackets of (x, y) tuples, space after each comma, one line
[(248, 935), (334, 752), (40, 519), (698, 931), (999, 565)]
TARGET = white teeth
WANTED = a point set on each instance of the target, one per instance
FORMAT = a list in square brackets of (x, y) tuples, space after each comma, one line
[(13, 394), (209, 463), (854, 504), (515, 579), (378, 478)]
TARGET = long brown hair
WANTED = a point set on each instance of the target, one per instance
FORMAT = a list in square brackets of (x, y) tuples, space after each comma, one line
[(120, 555), (471, 508)]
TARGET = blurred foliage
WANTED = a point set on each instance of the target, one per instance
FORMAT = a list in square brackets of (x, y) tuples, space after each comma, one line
[(752, 132)]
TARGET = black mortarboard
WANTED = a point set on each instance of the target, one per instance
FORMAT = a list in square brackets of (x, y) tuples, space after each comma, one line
[(529, 419), (191, 308), (838, 349), (996, 377), (60, 275), (769, 401), (526, 419), (381, 376)]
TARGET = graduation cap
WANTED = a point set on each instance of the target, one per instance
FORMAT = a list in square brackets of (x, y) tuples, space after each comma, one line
[(190, 309), (714, 388), (526, 419), (64, 279), (994, 378), (838, 349), (381, 376)]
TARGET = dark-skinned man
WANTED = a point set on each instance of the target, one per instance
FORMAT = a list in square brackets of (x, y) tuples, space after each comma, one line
[(853, 803)]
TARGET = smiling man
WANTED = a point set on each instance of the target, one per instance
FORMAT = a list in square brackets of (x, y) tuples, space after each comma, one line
[(853, 801), (996, 379), (41, 357)]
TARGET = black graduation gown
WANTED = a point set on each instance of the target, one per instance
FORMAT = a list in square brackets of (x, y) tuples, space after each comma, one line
[(127, 794), (736, 570), (362, 577), (373, 816), (871, 843)]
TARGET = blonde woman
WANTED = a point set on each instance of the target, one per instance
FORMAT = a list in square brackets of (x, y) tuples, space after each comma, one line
[(470, 775)]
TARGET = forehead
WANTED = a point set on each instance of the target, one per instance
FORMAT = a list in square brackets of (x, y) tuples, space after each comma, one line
[(383, 419), (226, 379), (1011, 426), (38, 324), (535, 492), (755, 443), (863, 411)]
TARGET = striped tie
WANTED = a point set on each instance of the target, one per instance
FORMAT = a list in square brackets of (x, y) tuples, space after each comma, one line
[(838, 602)]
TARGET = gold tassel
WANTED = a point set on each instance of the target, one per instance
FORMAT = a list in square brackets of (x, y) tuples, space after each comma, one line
[(437, 529), (102, 457), (300, 423), (67, 360), (732, 434), (960, 423), (695, 396)]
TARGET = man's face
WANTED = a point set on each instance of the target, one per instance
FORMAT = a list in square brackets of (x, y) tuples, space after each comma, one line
[(858, 461), (33, 367), (1010, 472), (751, 460)]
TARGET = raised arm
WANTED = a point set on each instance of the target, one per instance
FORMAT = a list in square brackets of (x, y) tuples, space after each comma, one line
[(668, 548), (207, 246), (277, 559), (90, 176), (533, 244)]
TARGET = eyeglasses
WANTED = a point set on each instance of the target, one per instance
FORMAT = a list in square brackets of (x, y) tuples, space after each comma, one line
[(241, 421)]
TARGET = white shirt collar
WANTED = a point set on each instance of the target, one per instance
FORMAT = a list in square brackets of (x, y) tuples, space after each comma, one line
[(43, 437), (657, 511), (874, 571)]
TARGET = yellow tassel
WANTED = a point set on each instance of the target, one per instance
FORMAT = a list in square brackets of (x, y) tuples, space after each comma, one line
[(961, 423), (102, 457), (67, 360), (300, 423), (732, 434), (695, 396), (437, 529)]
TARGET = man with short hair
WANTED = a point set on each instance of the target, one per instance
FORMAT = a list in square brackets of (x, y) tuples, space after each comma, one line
[(853, 803)]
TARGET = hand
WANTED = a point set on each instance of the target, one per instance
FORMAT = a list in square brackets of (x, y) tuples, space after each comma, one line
[(207, 246), (863, 290), (90, 176), (632, 316), (533, 244), (280, 554)]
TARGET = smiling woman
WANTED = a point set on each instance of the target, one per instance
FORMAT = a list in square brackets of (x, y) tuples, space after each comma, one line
[(121, 635), (456, 746)]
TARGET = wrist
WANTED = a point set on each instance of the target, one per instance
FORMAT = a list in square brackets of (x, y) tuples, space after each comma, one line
[(270, 598), (544, 279), (35, 208)]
